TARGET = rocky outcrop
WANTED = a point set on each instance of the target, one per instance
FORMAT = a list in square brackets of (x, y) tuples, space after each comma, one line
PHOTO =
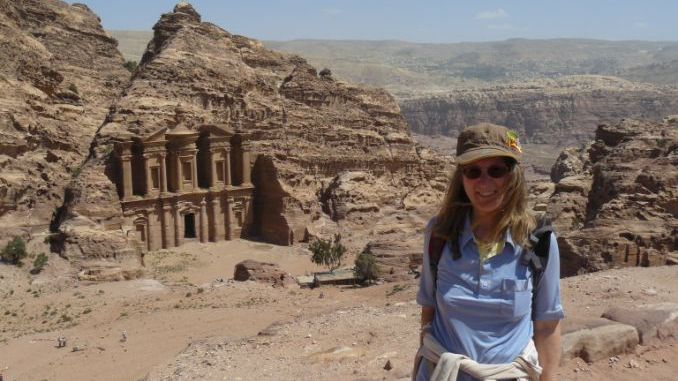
[(304, 129), (615, 202), (262, 272), (557, 111), (60, 71)]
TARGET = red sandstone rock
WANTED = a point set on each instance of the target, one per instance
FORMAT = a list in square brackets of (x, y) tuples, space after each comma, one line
[(60, 71), (262, 272), (623, 212), (303, 130)]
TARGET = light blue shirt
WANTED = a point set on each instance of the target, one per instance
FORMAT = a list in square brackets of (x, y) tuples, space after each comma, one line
[(484, 310)]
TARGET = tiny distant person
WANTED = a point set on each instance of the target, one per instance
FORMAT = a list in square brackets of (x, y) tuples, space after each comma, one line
[(490, 306)]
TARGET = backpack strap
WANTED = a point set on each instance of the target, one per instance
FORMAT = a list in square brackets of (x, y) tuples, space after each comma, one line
[(436, 245), (536, 256)]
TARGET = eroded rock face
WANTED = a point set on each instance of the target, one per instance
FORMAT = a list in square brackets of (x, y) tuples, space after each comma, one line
[(560, 111), (616, 205), (60, 71), (306, 131)]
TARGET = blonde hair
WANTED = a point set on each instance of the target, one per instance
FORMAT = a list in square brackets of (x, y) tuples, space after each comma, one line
[(514, 213)]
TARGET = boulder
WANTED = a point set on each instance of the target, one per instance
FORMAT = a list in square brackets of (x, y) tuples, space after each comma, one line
[(654, 322), (103, 271), (262, 272), (395, 259), (597, 339)]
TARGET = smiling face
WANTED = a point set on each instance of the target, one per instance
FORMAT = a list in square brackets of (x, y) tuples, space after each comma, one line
[(486, 192)]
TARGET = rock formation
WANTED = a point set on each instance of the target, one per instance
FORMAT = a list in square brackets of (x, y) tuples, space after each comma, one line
[(561, 112), (616, 202), (60, 71), (303, 130), (263, 272)]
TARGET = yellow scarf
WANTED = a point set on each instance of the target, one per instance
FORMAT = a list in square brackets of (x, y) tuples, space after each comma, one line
[(487, 250)]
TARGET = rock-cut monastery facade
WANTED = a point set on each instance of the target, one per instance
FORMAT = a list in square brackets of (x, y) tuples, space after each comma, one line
[(178, 184)]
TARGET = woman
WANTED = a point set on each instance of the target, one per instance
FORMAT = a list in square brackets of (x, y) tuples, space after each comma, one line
[(477, 310)]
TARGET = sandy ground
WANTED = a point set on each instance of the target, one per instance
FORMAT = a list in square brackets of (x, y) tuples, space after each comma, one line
[(186, 319)]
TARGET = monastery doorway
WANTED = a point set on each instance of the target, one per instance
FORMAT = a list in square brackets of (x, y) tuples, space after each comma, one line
[(189, 225), (141, 232)]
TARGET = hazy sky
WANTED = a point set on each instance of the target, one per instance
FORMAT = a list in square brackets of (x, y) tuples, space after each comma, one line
[(410, 20)]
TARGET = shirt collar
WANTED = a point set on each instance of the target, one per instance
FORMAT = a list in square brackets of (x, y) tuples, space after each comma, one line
[(467, 234)]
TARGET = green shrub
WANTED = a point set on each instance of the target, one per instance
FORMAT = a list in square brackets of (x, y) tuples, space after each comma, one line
[(14, 252), (365, 267), (130, 65), (327, 252), (39, 263)]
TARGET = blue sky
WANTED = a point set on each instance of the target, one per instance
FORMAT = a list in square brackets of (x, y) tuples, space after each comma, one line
[(409, 20)]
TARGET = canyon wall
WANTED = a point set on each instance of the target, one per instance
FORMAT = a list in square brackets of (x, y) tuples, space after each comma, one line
[(560, 112)]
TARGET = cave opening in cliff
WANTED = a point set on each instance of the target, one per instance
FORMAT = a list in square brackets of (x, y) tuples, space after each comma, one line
[(270, 223)]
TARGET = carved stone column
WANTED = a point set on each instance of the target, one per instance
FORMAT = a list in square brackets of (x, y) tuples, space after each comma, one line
[(177, 226), (180, 175), (163, 173), (149, 232), (213, 173), (167, 226), (227, 168), (194, 177), (203, 221), (217, 221), (230, 218), (147, 172), (246, 176), (126, 177)]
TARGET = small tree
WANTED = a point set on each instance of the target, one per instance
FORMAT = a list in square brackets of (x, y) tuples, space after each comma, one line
[(327, 252), (39, 263), (325, 73), (366, 266), (130, 65), (14, 252)]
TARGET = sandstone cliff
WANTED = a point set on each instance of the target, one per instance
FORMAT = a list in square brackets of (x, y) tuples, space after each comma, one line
[(60, 71), (616, 201), (561, 112), (306, 128)]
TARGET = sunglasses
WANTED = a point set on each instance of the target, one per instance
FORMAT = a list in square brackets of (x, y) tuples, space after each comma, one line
[(494, 171)]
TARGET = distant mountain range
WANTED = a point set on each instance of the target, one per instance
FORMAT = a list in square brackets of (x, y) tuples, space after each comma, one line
[(411, 69)]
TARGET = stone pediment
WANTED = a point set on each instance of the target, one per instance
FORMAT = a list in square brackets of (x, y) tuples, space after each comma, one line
[(216, 130), (157, 136)]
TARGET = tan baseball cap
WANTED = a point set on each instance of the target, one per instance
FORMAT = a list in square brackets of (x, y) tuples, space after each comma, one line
[(487, 140)]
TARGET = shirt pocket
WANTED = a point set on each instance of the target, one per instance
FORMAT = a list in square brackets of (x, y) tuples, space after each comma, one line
[(517, 297)]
